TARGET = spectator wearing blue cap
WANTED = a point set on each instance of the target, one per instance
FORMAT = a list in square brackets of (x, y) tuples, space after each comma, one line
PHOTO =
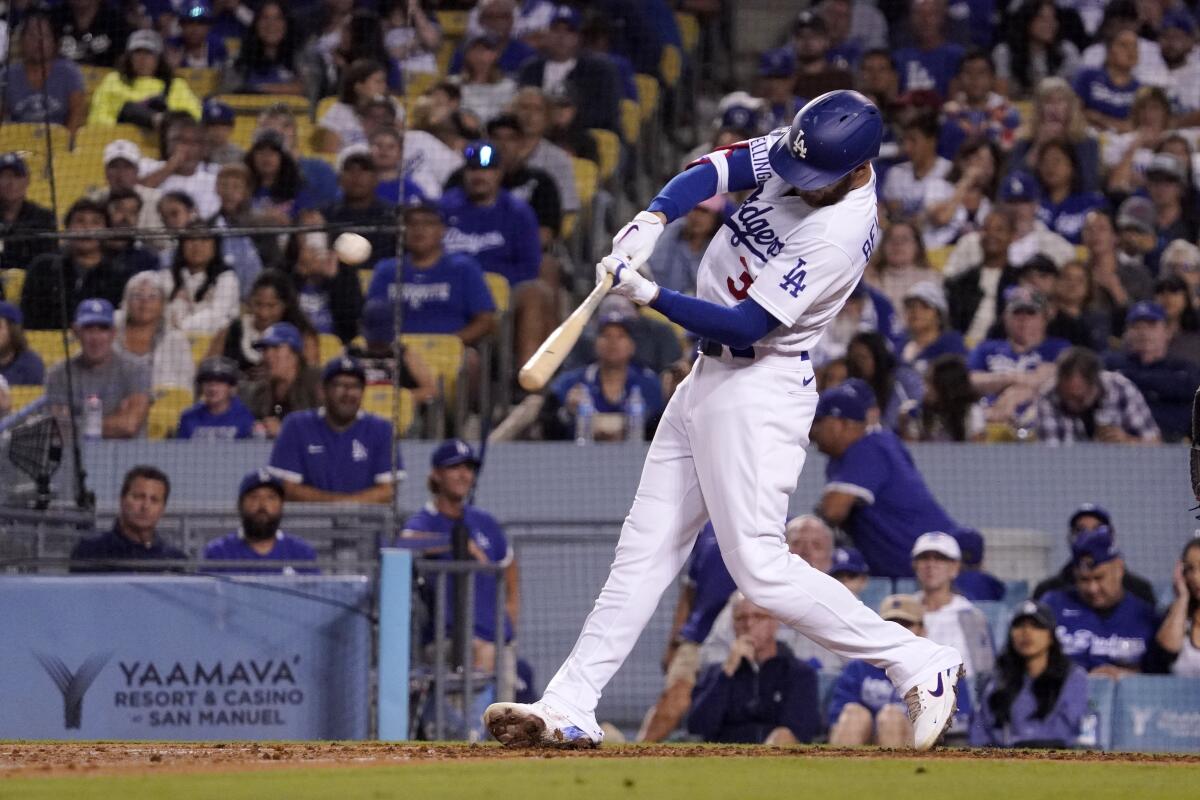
[(564, 65), (850, 569), (258, 538), (120, 383), (816, 70), (972, 581), (287, 383), (1086, 402), (510, 25), (1088, 517), (1167, 384), (761, 693), (453, 470), (19, 216), (1177, 43), (873, 490), (776, 88), (219, 149), (19, 365), (196, 46), (220, 415), (1037, 696), (337, 453), (607, 384), (1011, 371), (442, 293), (1103, 628)]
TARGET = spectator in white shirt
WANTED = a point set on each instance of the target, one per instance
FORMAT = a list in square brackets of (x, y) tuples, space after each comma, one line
[(342, 124), (906, 185), (950, 618), (486, 90), (183, 148), (144, 335), (204, 290)]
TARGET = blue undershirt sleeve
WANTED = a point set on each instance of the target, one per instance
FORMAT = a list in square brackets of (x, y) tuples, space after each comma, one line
[(737, 327), (698, 182)]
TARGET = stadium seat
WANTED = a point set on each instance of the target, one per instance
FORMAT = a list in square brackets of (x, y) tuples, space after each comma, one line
[(1101, 696), (680, 332), (49, 345), (324, 104), (648, 90), (670, 65), (689, 30), (22, 396), (169, 403), (14, 283), (570, 220), (631, 120), (904, 585), (329, 346), (256, 103), (443, 353), (377, 400), (453, 23), (92, 76), (203, 80), (877, 589), (1081, 253), (608, 144), (364, 280), (417, 83), (997, 613), (937, 256), (29, 139), (445, 54), (200, 343), (1156, 713), (90, 140), (1015, 592), (586, 178), (501, 291)]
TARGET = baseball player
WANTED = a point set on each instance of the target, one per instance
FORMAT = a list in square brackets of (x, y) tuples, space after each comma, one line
[(732, 440)]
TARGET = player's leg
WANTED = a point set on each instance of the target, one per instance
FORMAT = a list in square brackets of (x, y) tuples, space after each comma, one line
[(749, 428), (655, 542)]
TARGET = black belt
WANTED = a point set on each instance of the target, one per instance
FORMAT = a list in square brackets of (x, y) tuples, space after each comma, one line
[(711, 347)]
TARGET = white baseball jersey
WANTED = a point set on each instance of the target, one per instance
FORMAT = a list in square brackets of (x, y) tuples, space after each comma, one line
[(798, 262)]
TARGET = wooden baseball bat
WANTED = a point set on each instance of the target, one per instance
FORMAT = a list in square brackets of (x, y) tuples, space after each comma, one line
[(542, 365)]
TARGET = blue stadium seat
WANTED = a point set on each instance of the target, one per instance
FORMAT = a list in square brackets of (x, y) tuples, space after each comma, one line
[(998, 613), (1097, 733), (877, 589), (1157, 712), (1164, 594), (904, 585), (1015, 592)]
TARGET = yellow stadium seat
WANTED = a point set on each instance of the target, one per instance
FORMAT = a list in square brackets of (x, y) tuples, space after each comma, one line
[(586, 178), (417, 83), (49, 345), (364, 279), (689, 31), (329, 346), (453, 23), (169, 403), (670, 65), (377, 400), (608, 145), (501, 291), (203, 80), (92, 76), (1081, 253), (90, 140), (24, 395), (937, 256), (443, 353), (648, 89), (243, 131), (200, 343), (233, 45), (14, 283), (1024, 110), (324, 104), (631, 120), (256, 103), (29, 139), (680, 331), (570, 220), (445, 54)]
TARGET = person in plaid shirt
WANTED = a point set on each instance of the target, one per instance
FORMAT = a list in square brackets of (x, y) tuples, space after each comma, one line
[(1088, 403)]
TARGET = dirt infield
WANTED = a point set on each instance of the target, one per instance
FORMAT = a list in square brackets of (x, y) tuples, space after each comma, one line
[(29, 759)]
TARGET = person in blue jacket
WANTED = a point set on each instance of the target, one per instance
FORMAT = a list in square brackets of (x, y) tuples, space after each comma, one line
[(761, 694)]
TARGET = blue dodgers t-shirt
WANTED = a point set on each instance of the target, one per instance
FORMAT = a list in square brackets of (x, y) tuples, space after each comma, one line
[(48, 103), (443, 298), (308, 451), (236, 422), (1118, 636), (503, 237), (713, 585), (947, 342), (896, 506), (26, 369), (1066, 218), (867, 685), (928, 69), (488, 536), (589, 376), (391, 192), (998, 355), (1099, 93), (234, 547)]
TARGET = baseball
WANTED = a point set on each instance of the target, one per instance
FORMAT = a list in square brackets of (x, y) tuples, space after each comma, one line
[(352, 249)]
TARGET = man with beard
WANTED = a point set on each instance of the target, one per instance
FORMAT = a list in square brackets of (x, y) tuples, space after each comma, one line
[(337, 453), (124, 210), (260, 504)]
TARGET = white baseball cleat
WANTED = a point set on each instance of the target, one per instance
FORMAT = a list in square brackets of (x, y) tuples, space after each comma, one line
[(538, 725), (931, 707)]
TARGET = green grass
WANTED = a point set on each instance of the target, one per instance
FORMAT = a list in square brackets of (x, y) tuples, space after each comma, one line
[(628, 778)]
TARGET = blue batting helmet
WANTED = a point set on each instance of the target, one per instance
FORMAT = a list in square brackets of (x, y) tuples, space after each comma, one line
[(831, 136)]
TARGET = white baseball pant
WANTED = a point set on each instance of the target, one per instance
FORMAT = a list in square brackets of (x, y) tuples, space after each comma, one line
[(730, 448)]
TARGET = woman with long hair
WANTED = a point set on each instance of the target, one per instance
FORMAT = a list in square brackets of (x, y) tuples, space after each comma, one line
[(1179, 634), (412, 34), (19, 365), (204, 290), (270, 61), (1126, 155), (1064, 202), (958, 204), (1183, 320), (1058, 114), (361, 37), (39, 84), (144, 335), (342, 124), (900, 263), (950, 410), (1033, 49), (142, 87), (897, 387), (486, 90), (1037, 697), (272, 299), (278, 191)]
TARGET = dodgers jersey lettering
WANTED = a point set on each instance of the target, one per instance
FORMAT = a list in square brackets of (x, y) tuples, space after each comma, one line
[(798, 262)]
